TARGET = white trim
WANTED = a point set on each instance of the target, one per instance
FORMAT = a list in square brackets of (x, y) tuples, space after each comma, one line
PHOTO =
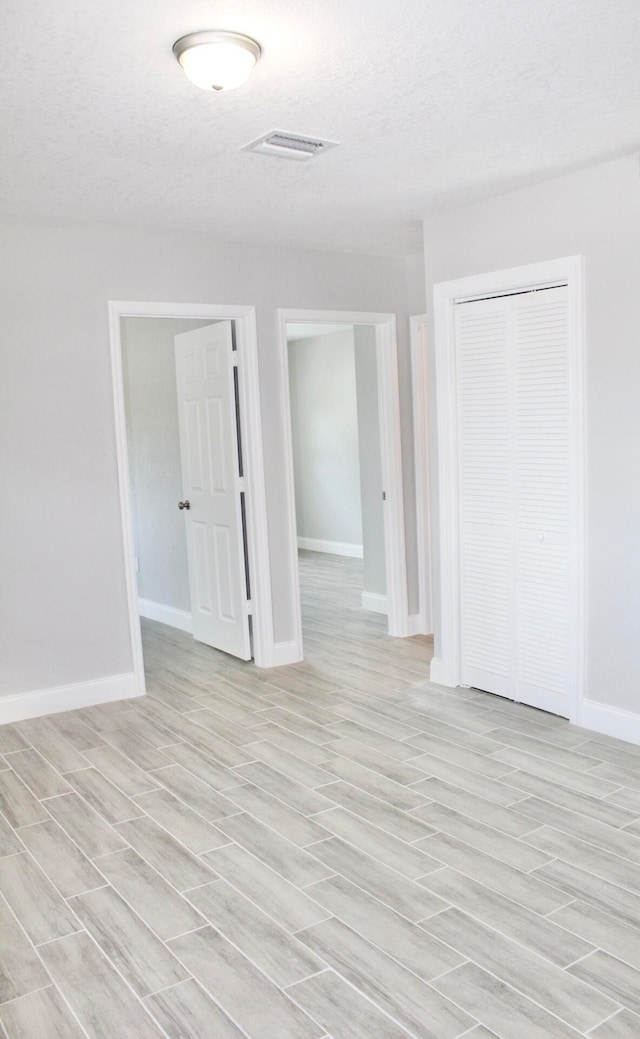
[(391, 458), (392, 477), (375, 603), (421, 413), (68, 697), (333, 548), (286, 653), (567, 271), (157, 611), (600, 717), (416, 624), (436, 671), (251, 430), (126, 517), (254, 486)]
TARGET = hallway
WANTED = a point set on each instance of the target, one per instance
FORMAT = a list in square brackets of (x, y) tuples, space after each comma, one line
[(345, 642)]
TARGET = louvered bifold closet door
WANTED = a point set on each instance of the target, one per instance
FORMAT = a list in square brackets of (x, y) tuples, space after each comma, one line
[(543, 494), (512, 365), (484, 363)]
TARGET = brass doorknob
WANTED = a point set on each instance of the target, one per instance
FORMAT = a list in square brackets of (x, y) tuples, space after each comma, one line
[(186, 504)]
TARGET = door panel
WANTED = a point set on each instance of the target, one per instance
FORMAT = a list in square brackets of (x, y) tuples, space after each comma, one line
[(542, 460), (486, 495), (211, 483), (514, 448)]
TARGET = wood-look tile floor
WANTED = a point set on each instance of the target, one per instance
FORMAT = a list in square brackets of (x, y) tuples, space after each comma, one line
[(336, 848)]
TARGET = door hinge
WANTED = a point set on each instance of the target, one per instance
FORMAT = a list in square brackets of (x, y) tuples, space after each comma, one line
[(384, 495), (234, 359), (249, 607), (241, 484)]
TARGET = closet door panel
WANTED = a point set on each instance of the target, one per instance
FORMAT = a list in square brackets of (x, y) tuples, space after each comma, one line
[(486, 495), (542, 472)]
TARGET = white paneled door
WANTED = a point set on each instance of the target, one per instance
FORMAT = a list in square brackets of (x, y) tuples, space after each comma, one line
[(212, 501), (514, 424)]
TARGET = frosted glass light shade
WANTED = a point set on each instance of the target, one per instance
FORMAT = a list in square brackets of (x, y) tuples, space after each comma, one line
[(217, 60)]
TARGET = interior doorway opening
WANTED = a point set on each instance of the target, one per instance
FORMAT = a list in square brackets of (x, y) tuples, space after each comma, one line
[(185, 458), (339, 490), (191, 478), (155, 467), (345, 502)]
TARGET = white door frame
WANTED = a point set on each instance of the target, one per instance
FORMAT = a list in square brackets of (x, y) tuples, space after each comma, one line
[(251, 431), (391, 457), (418, 327), (446, 665)]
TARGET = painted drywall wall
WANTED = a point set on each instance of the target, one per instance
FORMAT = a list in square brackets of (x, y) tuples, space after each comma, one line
[(416, 294), (153, 443), (595, 213), (63, 604), (374, 577), (324, 427)]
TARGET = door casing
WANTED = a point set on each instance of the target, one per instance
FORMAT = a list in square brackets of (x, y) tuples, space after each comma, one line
[(421, 399), (251, 431), (446, 664)]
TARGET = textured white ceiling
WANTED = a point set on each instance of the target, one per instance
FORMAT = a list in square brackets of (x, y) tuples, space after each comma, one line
[(435, 103)]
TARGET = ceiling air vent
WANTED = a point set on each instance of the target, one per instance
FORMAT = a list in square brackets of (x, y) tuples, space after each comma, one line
[(285, 145)]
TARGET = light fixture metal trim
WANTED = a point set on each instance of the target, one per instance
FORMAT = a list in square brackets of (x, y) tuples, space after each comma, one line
[(197, 39)]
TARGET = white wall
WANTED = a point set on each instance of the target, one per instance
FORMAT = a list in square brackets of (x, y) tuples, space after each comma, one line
[(595, 213), (324, 426), (63, 606), (416, 284), (153, 442), (374, 576)]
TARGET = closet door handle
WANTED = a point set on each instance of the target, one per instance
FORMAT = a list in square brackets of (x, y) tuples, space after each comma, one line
[(186, 504)]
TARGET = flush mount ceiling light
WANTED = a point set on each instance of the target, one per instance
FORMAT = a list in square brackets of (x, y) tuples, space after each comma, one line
[(216, 60)]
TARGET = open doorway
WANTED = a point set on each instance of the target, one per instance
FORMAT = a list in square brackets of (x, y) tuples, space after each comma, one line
[(337, 473), (155, 467), (345, 509), (191, 481)]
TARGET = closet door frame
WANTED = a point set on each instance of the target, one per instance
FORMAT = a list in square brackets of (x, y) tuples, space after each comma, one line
[(446, 664)]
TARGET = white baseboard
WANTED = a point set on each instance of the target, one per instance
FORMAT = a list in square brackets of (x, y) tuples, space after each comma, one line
[(417, 625), (374, 603), (286, 653), (156, 611), (435, 671), (439, 676), (68, 697), (333, 548), (624, 725)]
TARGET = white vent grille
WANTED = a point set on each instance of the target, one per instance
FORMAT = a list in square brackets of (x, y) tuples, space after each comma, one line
[(285, 145)]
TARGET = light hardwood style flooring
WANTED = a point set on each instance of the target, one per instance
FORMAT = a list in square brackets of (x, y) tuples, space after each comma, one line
[(333, 849)]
